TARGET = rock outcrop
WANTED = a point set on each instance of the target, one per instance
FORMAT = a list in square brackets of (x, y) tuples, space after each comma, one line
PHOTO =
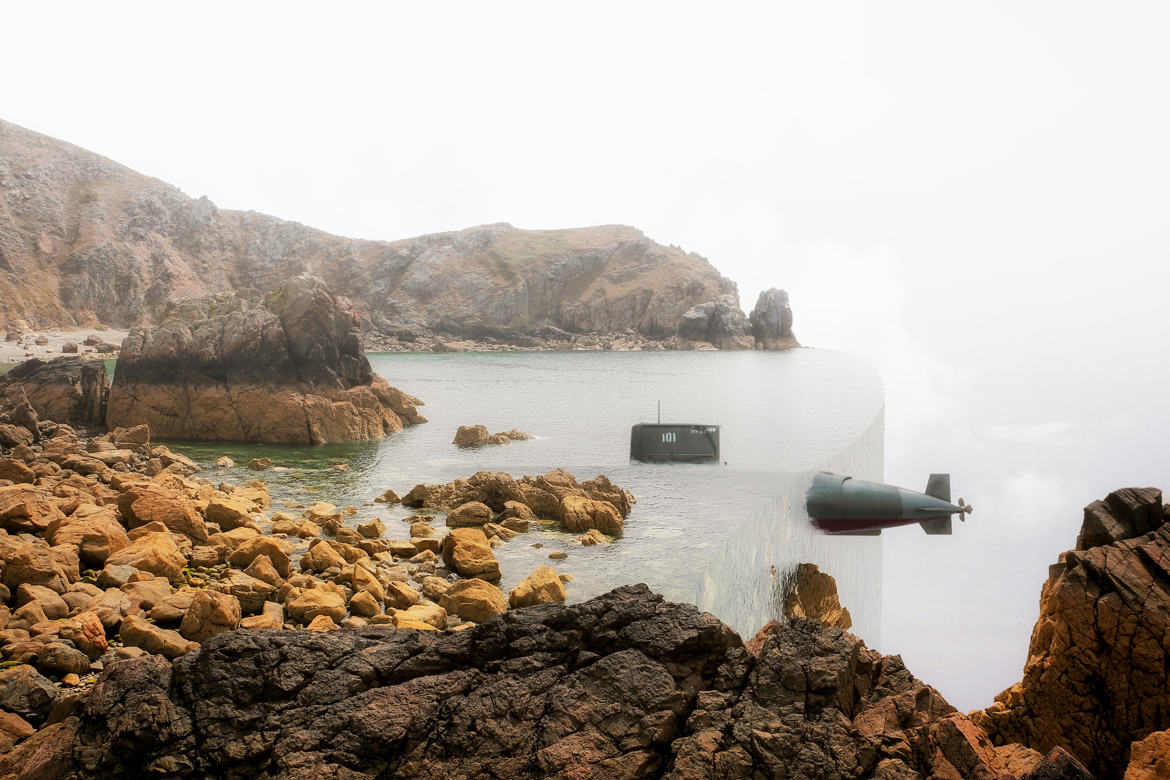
[(771, 321), (719, 323), (290, 370), (813, 595), (579, 506), (479, 436), (70, 390), (83, 239), (1097, 677), (625, 685)]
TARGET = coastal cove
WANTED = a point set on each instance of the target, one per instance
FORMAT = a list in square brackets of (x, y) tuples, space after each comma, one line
[(782, 415)]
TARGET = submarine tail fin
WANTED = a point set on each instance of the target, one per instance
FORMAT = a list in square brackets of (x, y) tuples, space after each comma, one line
[(939, 486), (939, 526)]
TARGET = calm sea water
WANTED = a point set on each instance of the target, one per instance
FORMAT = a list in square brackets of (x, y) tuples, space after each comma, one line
[(708, 534)]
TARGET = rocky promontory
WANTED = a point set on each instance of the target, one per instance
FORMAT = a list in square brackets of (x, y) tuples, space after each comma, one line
[(85, 240), (1097, 678), (289, 368)]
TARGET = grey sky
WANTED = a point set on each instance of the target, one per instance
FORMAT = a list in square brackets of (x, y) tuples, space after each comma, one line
[(973, 197)]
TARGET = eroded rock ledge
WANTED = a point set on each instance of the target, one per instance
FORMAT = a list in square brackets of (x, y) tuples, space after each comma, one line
[(625, 685), (288, 370)]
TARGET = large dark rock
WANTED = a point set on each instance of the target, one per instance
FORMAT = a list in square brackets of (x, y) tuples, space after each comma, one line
[(1097, 676), (771, 321), (70, 390), (622, 686), (288, 370)]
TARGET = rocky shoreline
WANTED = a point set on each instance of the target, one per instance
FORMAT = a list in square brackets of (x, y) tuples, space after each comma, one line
[(156, 622)]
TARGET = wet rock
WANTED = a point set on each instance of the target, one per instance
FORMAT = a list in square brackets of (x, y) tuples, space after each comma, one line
[(260, 464), (542, 586), (225, 462), (372, 529)]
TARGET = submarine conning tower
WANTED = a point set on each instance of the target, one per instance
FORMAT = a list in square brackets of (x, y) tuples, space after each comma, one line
[(674, 442)]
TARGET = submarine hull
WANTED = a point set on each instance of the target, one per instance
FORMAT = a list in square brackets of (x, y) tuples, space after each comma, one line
[(839, 504)]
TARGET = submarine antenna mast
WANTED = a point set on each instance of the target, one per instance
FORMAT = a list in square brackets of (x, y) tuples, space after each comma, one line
[(660, 410)]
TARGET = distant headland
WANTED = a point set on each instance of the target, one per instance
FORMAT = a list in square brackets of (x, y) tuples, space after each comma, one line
[(87, 241)]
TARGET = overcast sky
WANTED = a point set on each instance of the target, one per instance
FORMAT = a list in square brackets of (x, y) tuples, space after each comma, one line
[(972, 197)]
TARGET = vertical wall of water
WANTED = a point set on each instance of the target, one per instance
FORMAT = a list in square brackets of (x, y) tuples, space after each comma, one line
[(744, 583)]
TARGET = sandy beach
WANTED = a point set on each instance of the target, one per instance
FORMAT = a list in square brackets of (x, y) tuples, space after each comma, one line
[(18, 351)]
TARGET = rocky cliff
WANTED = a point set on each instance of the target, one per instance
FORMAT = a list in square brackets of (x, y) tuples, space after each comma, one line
[(622, 686), (288, 369), (1098, 671), (83, 239)]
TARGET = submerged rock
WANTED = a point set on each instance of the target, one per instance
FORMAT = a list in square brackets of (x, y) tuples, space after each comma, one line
[(291, 370), (478, 436)]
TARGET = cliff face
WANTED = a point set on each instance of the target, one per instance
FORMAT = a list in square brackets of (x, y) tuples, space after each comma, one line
[(288, 370), (83, 239), (1098, 672)]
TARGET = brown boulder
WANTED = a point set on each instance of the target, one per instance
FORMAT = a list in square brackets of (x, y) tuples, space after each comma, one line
[(466, 551), (542, 586), (249, 591), (579, 513), (16, 471), (156, 553), (30, 562), (94, 531), (317, 602), (276, 551), (401, 596), (173, 607), (138, 632), (471, 514), (148, 503), (472, 436), (474, 600), (87, 634), (228, 513), (210, 613)]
